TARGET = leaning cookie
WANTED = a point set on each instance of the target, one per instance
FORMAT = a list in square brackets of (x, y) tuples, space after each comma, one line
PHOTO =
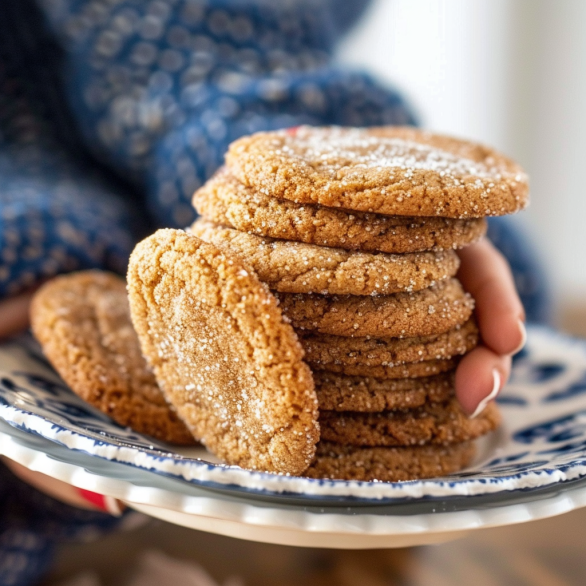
[(385, 464), (388, 170), (222, 353), (225, 200), (82, 322), (296, 267), (438, 424), (428, 312)]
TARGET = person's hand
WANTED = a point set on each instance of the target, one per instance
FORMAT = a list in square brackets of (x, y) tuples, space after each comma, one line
[(482, 373), (14, 314)]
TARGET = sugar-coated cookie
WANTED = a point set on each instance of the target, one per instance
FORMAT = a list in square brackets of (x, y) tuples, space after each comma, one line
[(327, 349), (82, 322), (338, 392), (437, 423), (296, 267), (225, 200), (422, 313), (404, 370), (388, 170), (222, 353), (388, 464)]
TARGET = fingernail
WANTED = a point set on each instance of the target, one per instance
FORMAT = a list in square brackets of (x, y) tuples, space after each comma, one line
[(523, 331), (105, 503), (496, 387)]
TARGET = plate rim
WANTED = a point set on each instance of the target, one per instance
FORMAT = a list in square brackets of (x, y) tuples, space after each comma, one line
[(332, 528)]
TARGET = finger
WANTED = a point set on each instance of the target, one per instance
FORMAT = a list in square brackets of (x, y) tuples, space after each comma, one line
[(480, 376), (14, 314), (486, 275), (64, 492)]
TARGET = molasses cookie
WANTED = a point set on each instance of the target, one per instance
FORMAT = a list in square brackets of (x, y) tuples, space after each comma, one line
[(296, 267), (437, 423), (338, 392), (428, 312), (222, 353), (385, 464), (82, 322), (405, 370), (388, 170), (227, 201), (326, 349)]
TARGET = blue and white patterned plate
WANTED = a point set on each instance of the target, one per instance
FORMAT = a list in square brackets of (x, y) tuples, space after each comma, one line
[(541, 446), (346, 525)]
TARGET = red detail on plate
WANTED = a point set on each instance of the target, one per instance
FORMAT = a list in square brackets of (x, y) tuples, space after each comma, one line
[(107, 504)]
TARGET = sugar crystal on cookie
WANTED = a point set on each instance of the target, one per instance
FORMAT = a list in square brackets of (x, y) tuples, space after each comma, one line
[(257, 407), (385, 170)]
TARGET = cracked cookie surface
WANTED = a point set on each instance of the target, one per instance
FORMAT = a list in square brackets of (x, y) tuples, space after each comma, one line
[(225, 200), (82, 322), (387, 170), (296, 267), (222, 353)]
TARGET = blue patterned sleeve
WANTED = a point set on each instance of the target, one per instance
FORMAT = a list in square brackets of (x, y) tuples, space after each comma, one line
[(56, 214), (513, 238), (161, 88), (51, 223)]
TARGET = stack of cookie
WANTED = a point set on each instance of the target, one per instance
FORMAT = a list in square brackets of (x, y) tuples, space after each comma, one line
[(354, 231)]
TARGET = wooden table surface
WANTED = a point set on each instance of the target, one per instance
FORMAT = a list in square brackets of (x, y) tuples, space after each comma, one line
[(551, 552)]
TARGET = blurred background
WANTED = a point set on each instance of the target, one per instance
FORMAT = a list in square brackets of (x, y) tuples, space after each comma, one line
[(509, 73)]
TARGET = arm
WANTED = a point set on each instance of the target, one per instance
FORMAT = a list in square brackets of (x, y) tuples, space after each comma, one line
[(14, 314), (159, 94)]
